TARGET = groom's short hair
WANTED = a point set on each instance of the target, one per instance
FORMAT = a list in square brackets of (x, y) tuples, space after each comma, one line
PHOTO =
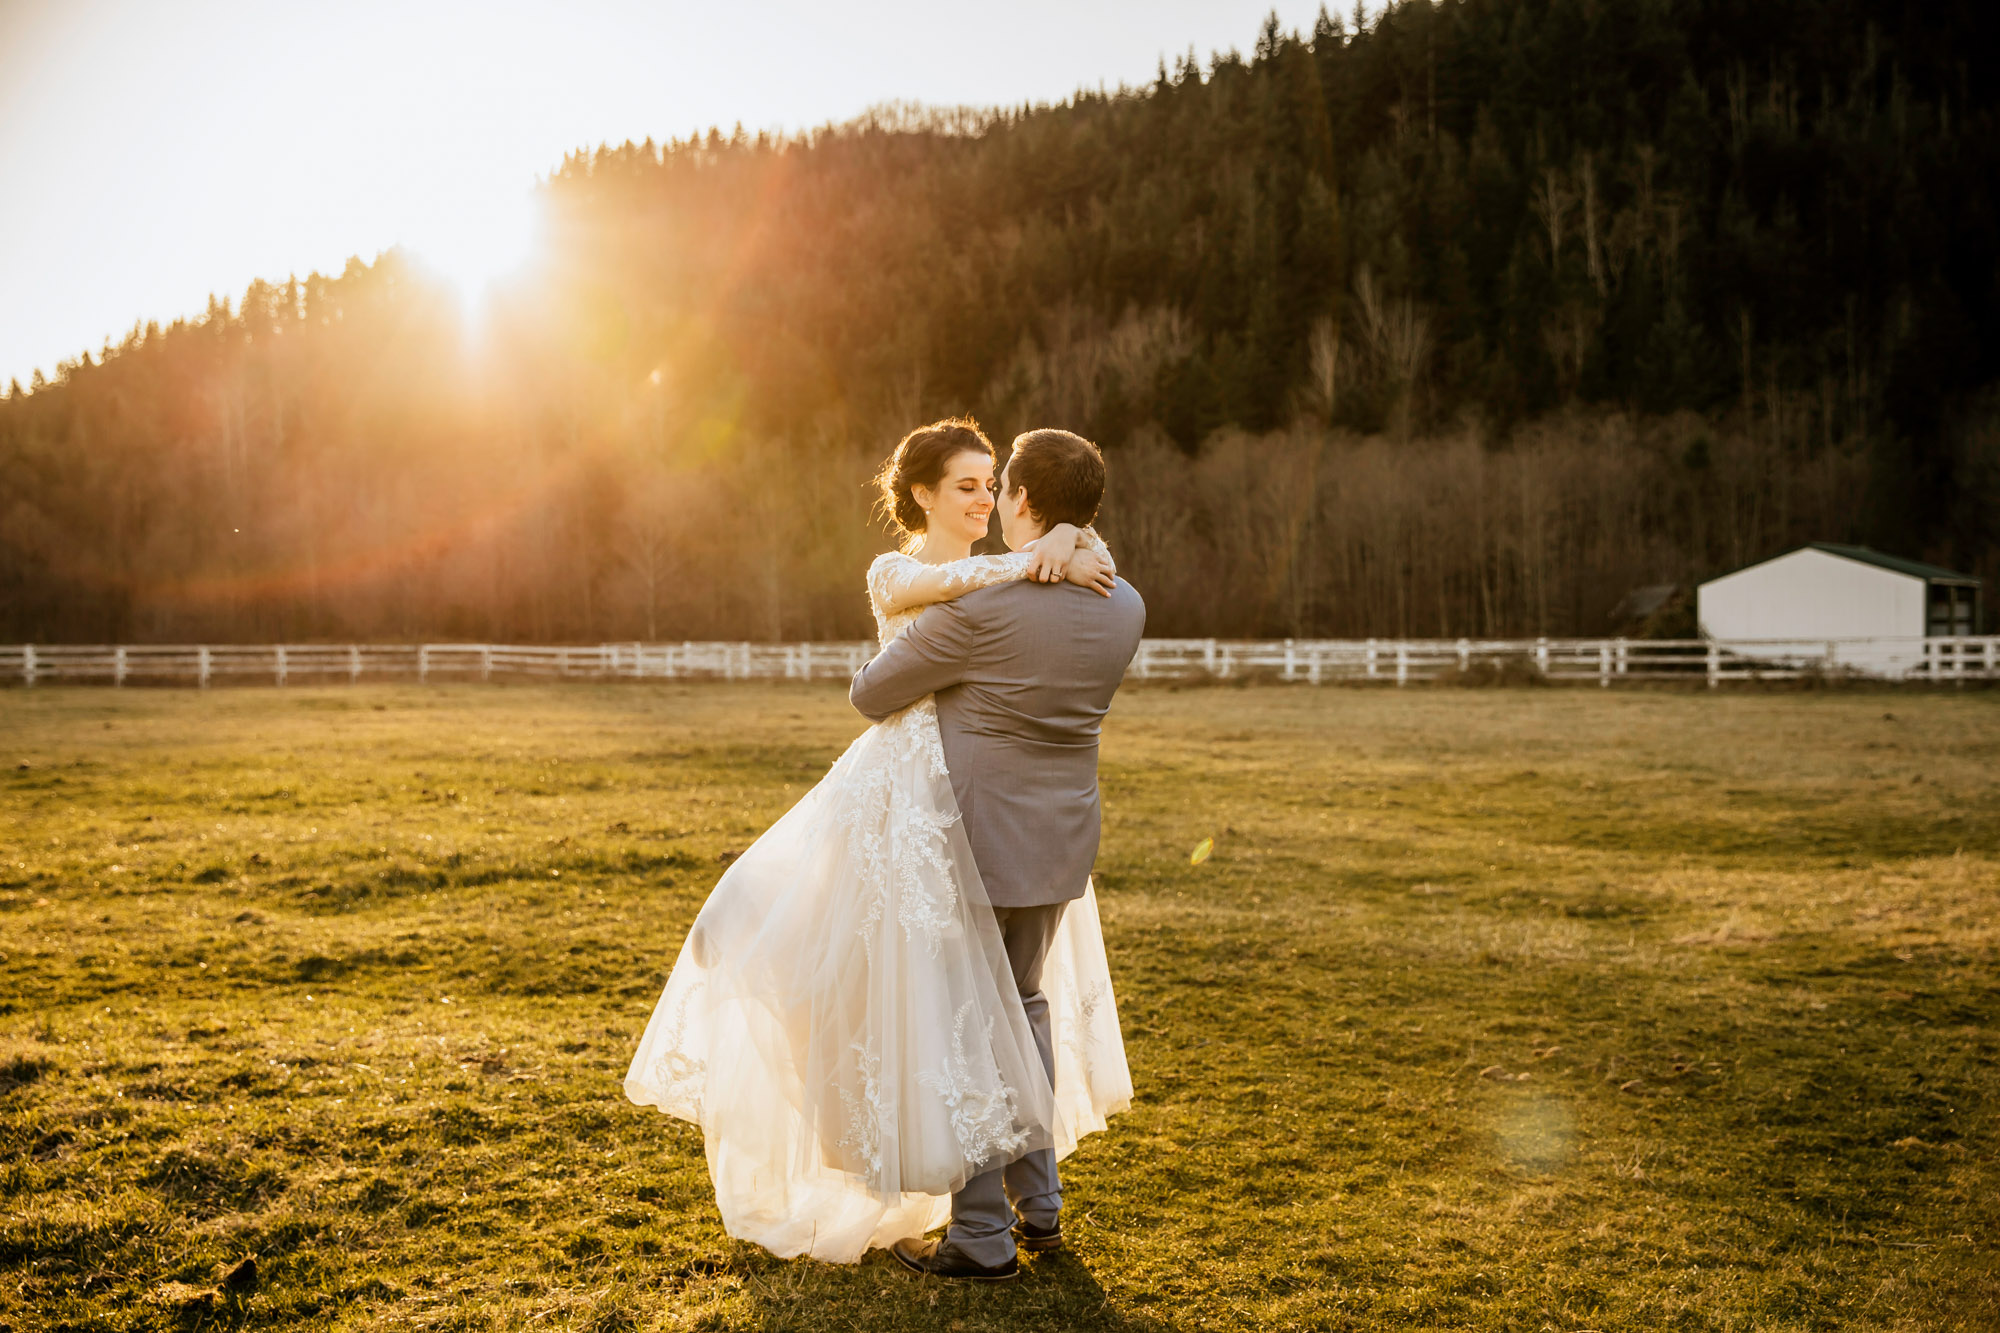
[(1063, 474)]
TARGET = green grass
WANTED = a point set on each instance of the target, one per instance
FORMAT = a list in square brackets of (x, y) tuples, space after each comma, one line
[(1541, 1009)]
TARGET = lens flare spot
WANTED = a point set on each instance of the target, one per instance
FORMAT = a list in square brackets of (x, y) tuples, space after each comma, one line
[(1536, 1133), (1201, 851)]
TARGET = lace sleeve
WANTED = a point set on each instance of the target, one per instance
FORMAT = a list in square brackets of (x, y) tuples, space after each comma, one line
[(982, 571), (889, 579), (897, 582), (1087, 539)]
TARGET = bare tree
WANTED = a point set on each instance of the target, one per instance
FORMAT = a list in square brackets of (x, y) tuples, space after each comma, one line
[(1398, 338), (645, 540), (1325, 360), (1551, 202)]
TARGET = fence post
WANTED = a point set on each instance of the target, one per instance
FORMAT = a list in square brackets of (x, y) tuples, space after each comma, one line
[(1402, 663), (1291, 660), (1318, 654), (1208, 657), (28, 665), (202, 667), (1371, 659), (1464, 655), (1542, 656), (1621, 657), (486, 661), (423, 662), (118, 667), (1604, 665), (1714, 665), (281, 664)]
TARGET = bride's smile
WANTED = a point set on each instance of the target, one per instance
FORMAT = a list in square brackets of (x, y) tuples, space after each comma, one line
[(958, 508)]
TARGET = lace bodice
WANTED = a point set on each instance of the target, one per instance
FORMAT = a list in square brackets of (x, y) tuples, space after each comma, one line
[(893, 571)]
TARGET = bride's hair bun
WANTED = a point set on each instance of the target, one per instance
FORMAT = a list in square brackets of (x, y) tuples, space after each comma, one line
[(920, 460)]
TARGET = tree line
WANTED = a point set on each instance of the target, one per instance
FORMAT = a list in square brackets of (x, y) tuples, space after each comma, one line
[(1459, 320)]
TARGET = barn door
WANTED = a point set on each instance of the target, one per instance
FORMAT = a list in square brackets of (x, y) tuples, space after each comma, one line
[(1951, 611)]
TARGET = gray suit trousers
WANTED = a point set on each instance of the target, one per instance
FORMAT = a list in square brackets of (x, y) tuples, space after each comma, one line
[(982, 1218)]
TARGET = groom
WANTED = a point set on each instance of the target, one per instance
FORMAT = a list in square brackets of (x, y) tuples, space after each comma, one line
[(1023, 674)]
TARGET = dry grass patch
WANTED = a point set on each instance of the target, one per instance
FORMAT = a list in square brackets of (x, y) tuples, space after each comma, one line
[(1493, 1010)]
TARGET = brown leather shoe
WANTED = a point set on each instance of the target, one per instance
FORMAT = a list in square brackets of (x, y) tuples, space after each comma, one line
[(930, 1256), (1038, 1240)]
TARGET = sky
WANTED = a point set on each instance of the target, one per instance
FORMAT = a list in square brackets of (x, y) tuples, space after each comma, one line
[(155, 151)]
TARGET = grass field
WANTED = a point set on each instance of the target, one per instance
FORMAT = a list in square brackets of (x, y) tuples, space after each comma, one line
[(1527, 1009)]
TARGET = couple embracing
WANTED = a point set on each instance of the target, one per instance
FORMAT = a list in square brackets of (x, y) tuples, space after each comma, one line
[(894, 1010)]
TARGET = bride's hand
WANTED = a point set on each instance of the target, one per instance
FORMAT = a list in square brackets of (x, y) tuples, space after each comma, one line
[(1049, 561), (1093, 570)]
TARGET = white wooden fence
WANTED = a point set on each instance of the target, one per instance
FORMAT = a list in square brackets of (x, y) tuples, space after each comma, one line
[(1312, 661), (1606, 661), (283, 664)]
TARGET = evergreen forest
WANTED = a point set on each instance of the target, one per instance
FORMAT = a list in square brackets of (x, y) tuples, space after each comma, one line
[(1444, 319)]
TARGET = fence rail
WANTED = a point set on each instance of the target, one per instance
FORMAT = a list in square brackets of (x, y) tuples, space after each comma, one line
[(1606, 661), (1311, 661)]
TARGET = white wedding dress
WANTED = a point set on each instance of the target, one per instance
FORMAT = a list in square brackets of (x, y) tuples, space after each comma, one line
[(841, 1021)]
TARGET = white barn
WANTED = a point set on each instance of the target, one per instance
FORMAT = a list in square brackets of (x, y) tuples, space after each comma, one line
[(1794, 604)]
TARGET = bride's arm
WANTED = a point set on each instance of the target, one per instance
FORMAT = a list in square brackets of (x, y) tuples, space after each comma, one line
[(1062, 552), (907, 582)]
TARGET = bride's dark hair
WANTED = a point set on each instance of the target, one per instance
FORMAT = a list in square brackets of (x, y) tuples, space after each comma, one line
[(920, 460)]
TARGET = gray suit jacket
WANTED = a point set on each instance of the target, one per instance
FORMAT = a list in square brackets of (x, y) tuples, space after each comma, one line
[(1023, 674)]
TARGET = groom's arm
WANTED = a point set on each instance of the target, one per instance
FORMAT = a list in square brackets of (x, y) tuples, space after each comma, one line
[(932, 655)]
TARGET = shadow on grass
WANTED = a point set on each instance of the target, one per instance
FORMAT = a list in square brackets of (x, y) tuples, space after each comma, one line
[(1055, 1291), (1072, 1291)]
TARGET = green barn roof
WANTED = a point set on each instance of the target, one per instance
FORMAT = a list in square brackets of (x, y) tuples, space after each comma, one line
[(1914, 568)]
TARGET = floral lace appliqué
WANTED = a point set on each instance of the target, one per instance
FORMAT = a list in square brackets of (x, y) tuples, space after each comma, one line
[(865, 1111), (982, 1119), (897, 838), (677, 1075)]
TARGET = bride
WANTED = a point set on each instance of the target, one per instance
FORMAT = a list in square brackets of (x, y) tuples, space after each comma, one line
[(841, 1020)]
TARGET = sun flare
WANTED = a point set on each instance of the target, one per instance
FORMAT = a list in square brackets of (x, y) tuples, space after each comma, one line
[(481, 243)]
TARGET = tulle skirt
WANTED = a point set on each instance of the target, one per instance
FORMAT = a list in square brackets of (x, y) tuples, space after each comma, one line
[(842, 1024)]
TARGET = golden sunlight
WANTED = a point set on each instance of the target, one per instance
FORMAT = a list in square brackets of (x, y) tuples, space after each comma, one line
[(480, 242)]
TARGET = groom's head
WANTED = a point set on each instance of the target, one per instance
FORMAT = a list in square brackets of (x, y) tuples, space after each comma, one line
[(1051, 477)]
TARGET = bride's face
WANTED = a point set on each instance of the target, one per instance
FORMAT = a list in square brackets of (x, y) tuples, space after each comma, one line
[(961, 504)]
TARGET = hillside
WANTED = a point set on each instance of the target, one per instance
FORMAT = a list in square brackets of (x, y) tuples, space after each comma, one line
[(1458, 321)]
